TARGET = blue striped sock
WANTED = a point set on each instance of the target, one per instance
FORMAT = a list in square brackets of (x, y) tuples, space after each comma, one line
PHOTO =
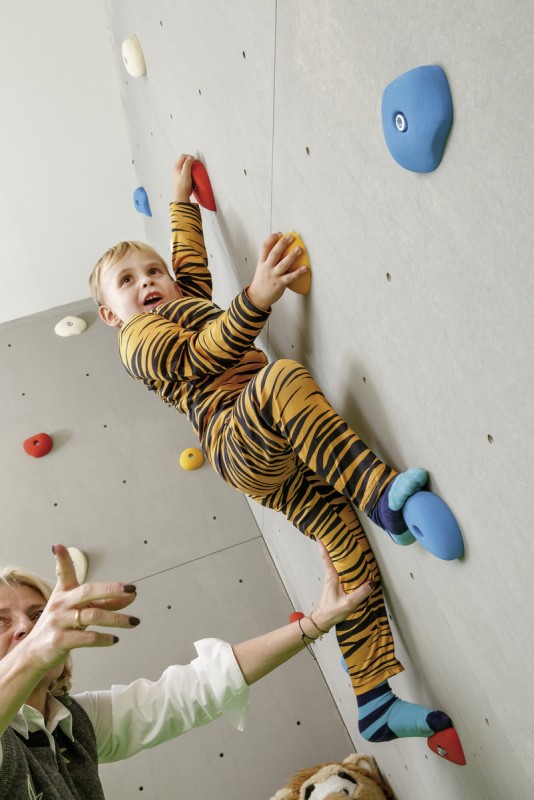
[(384, 717)]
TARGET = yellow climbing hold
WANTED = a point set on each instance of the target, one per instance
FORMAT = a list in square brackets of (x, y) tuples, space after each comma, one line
[(192, 458), (303, 284)]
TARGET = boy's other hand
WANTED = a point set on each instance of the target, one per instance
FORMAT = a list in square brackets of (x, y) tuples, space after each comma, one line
[(272, 276), (182, 183)]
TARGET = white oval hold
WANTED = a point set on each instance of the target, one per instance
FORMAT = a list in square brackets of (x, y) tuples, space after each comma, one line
[(70, 326), (79, 560), (132, 55)]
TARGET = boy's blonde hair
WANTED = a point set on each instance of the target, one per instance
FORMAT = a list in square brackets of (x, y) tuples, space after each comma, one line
[(112, 256), (16, 576)]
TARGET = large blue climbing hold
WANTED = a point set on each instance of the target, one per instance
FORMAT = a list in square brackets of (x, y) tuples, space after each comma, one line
[(434, 525), (141, 202), (417, 118)]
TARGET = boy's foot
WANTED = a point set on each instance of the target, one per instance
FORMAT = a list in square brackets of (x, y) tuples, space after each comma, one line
[(388, 511), (383, 716)]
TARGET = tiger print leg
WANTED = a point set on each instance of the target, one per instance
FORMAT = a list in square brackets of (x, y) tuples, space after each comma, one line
[(317, 510), (284, 445), (283, 414), (365, 638)]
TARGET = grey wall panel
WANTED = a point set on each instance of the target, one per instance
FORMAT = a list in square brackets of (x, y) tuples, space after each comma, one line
[(432, 366), (418, 317), (112, 487)]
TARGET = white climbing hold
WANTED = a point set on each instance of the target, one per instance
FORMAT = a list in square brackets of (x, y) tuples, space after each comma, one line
[(70, 326), (79, 560), (132, 55)]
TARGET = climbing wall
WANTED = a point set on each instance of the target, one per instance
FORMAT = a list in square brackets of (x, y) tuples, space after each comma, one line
[(418, 327), (417, 323)]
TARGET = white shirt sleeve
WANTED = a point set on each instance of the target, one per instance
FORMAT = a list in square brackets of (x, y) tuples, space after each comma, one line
[(130, 718)]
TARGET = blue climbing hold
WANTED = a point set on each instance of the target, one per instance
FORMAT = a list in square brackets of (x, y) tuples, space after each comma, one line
[(141, 202), (417, 118), (433, 524)]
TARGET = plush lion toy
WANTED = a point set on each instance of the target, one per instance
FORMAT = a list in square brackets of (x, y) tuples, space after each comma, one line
[(357, 777)]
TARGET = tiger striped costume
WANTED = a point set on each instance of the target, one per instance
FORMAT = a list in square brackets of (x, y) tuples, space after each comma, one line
[(268, 430)]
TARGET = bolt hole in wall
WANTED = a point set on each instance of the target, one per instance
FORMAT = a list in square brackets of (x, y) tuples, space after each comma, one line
[(490, 438)]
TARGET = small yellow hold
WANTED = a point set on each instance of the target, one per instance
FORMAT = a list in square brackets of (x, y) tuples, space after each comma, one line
[(303, 284), (192, 458)]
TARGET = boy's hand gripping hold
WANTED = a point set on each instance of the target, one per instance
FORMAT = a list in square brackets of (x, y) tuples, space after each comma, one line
[(182, 182), (272, 276)]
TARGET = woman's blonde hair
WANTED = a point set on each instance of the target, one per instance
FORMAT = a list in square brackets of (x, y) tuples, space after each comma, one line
[(16, 576), (111, 256)]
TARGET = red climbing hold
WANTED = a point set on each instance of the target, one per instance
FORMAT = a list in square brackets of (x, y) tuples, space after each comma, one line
[(38, 445), (446, 744), (295, 616), (202, 191)]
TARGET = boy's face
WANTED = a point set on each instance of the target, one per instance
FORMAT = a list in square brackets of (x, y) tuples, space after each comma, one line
[(134, 285)]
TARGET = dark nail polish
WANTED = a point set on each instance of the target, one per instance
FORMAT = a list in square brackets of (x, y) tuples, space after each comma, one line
[(373, 585), (134, 621), (54, 549), (115, 639), (129, 588)]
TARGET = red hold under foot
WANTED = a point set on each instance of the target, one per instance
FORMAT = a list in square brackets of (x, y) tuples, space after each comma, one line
[(38, 445), (295, 616), (202, 191), (446, 744)]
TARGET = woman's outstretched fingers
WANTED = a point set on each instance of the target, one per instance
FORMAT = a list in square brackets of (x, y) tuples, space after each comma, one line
[(84, 617), (66, 574), (118, 603)]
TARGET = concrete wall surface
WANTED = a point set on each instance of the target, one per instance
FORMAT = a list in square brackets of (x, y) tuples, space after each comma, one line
[(418, 323), (418, 327), (112, 487)]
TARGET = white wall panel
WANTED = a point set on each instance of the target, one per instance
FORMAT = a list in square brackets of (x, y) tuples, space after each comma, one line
[(66, 167)]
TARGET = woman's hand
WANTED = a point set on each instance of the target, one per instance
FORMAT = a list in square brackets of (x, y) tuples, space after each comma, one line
[(72, 608), (182, 182), (272, 276), (334, 605)]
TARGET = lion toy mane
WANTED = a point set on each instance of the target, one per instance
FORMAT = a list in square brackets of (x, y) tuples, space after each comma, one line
[(357, 777)]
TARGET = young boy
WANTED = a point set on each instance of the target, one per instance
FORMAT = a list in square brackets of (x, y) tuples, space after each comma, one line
[(266, 428)]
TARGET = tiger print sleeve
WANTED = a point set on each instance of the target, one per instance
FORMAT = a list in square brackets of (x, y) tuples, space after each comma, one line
[(159, 348), (189, 257)]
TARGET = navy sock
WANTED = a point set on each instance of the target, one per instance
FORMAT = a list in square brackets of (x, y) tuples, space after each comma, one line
[(383, 716), (387, 513), (384, 517)]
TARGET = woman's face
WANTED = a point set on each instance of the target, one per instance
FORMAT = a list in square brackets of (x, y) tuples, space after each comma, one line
[(20, 608)]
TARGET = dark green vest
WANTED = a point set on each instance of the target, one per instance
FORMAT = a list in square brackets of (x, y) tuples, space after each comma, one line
[(32, 771)]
